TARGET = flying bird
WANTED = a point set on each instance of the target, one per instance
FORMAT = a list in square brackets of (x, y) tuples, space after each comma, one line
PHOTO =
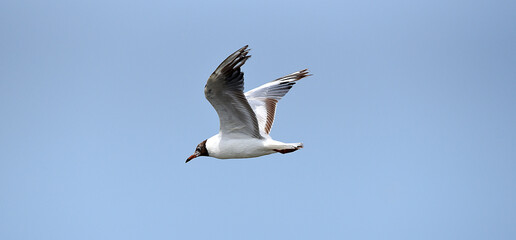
[(245, 118)]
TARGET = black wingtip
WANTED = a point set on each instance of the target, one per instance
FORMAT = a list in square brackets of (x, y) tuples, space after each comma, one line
[(305, 73), (235, 60), (295, 76)]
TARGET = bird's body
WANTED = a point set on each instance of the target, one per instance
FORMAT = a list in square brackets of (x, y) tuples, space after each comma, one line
[(220, 146), (245, 118)]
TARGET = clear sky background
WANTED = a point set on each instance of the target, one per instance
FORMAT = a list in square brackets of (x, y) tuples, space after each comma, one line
[(409, 120)]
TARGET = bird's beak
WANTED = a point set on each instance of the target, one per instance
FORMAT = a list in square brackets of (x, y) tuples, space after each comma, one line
[(196, 154)]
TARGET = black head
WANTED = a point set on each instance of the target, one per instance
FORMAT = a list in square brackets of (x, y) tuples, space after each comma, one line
[(199, 151)]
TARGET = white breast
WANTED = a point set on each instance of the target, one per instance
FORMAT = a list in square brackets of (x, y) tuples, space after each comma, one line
[(222, 147)]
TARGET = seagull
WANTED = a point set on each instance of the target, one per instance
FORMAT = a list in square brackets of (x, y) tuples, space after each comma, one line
[(245, 118)]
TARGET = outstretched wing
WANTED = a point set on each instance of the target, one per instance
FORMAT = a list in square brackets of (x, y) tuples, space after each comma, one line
[(263, 99), (224, 90)]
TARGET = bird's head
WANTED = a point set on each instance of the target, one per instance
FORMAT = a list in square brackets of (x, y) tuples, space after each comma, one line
[(200, 150)]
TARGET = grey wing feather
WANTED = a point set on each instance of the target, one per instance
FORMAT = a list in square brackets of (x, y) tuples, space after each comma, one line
[(224, 90), (276, 89)]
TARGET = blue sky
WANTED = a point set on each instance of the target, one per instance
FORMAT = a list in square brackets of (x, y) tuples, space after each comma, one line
[(408, 120)]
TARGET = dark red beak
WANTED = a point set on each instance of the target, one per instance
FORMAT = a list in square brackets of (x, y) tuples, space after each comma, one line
[(196, 154)]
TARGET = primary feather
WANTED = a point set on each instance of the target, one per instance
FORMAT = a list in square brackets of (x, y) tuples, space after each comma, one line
[(263, 99)]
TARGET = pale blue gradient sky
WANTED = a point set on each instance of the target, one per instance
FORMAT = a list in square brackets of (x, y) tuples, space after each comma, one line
[(409, 121)]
